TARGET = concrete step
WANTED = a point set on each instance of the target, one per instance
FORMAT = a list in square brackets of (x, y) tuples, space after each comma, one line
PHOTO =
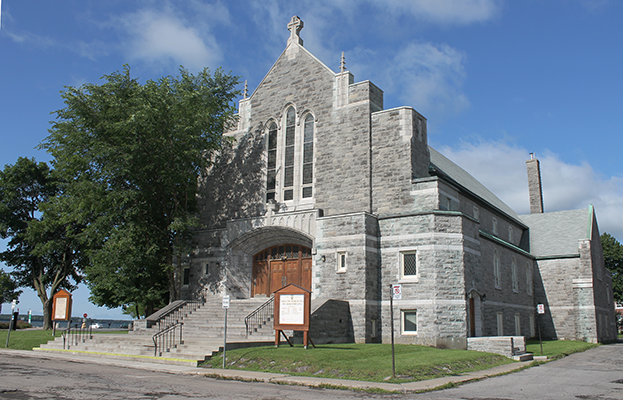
[(523, 357)]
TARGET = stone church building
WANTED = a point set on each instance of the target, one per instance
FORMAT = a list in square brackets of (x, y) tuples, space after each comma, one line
[(324, 188)]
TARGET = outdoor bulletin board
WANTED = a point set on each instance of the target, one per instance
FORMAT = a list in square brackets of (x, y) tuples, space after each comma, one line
[(292, 312), (61, 306)]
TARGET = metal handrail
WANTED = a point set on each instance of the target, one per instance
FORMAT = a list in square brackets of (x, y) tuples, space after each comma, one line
[(76, 336), (259, 316), (166, 338), (173, 313)]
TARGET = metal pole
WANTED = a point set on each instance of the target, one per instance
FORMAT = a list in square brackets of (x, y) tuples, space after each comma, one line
[(8, 334), (391, 314), (539, 327), (225, 340)]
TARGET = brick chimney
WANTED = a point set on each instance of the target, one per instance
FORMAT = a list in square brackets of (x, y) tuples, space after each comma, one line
[(534, 185)]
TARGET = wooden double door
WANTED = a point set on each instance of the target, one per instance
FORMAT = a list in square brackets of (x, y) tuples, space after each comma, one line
[(278, 266)]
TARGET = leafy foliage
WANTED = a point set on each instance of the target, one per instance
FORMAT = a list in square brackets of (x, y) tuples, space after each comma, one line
[(130, 155), (8, 288), (613, 258), (43, 247)]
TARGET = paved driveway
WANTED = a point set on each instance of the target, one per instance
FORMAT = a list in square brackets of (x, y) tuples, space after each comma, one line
[(593, 374)]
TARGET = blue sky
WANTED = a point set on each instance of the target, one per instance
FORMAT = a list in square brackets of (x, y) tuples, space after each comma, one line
[(496, 79)]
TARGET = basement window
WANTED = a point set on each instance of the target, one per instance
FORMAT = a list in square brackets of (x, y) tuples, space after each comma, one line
[(409, 322)]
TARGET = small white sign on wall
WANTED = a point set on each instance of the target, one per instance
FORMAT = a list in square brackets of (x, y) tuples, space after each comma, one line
[(540, 308), (397, 291)]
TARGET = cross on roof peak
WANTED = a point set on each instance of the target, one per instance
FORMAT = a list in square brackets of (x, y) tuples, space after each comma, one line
[(294, 26)]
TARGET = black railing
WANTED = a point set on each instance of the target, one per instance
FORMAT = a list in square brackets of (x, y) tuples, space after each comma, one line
[(76, 335), (166, 339), (259, 317), (172, 313)]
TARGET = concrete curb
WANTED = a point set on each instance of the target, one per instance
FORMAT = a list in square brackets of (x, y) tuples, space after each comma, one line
[(253, 376)]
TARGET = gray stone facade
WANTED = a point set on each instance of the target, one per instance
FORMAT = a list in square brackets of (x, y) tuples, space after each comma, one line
[(377, 206)]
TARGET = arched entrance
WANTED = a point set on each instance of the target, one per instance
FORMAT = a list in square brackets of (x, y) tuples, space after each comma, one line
[(278, 266)]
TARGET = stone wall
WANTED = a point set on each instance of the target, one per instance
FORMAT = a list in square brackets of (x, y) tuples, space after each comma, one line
[(399, 152), (354, 236), (505, 345), (437, 291)]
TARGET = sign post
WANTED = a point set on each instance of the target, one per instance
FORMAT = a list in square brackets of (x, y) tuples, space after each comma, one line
[(396, 293), (8, 334), (540, 309), (226, 307)]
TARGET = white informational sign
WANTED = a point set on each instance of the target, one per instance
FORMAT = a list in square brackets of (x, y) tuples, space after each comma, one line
[(292, 309), (60, 309), (397, 291), (226, 301), (540, 308)]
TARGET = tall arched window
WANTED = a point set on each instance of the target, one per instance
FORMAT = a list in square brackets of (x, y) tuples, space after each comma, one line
[(496, 269), (271, 175), (529, 282), (288, 172), (515, 281), (308, 156)]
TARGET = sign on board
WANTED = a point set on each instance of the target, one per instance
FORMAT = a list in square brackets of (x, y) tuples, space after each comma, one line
[(292, 309), (226, 301), (397, 291)]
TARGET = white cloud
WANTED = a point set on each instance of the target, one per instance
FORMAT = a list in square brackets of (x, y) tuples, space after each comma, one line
[(501, 168), (423, 75), (162, 37), (444, 11)]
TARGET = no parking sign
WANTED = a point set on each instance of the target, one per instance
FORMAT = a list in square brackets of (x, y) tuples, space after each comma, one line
[(397, 291)]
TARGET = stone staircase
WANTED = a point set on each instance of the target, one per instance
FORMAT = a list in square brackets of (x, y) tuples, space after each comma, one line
[(202, 336)]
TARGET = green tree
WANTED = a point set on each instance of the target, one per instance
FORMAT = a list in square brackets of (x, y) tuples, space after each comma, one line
[(131, 155), (613, 258), (43, 247), (8, 289)]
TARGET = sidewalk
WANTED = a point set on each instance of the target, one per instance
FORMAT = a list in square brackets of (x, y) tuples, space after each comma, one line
[(272, 377)]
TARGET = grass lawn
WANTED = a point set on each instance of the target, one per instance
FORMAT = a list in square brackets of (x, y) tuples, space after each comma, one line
[(23, 339), (367, 362), (557, 348)]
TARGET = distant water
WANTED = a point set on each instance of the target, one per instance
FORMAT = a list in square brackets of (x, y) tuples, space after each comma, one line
[(37, 322)]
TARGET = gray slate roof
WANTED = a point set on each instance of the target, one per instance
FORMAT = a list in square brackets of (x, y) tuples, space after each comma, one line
[(470, 183), (557, 233)]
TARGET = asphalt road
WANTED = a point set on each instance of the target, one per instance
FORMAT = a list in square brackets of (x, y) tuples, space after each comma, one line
[(594, 374), (33, 378)]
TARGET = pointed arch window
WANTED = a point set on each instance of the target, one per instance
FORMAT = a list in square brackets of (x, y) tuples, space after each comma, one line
[(271, 178), (496, 270), (288, 172), (308, 156)]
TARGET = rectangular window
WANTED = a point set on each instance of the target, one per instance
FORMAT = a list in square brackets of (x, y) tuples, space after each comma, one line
[(532, 330), (517, 325), (500, 321), (494, 222), (340, 267), (186, 280), (409, 321), (409, 264), (288, 194), (373, 328), (307, 192), (207, 268)]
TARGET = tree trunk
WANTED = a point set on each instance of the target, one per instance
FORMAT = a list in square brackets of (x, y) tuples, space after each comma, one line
[(47, 314)]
